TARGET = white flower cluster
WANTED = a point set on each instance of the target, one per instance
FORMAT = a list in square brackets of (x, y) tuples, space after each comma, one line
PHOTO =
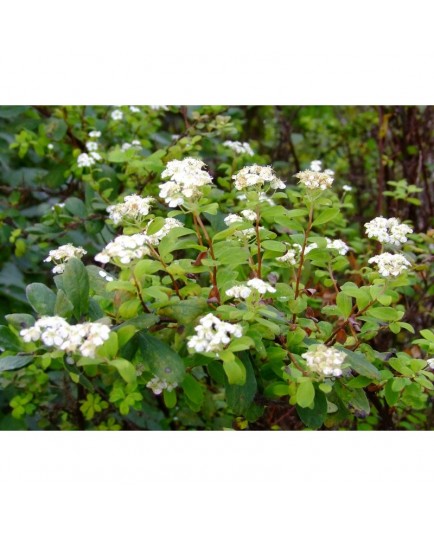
[(248, 216), (169, 224), (125, 249), (187, 179), (212, 334), (135, 144), (388, 231), (257, 176), (430, 362), (390, 264), (61, 256), (339, 245), (157, 385), (293, 253), (133, 208), (159, 107), (92, 146), (54, 331), (314, 178), (239, 147), (239, 291), (261, 286), (347, 188), (134, 109), (95, 134), (88, 160), (117, 115), (324, 360)]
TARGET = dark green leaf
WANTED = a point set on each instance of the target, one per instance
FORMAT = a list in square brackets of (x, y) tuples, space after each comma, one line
[(76, 286), (41, 298)]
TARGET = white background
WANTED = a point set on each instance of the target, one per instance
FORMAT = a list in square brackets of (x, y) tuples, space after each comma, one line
[(226, 52)]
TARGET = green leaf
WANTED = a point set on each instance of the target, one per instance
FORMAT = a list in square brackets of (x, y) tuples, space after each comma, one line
[(345, 304), (162, 360), (241, 343), (360, 364), (400, 365), (20, 320), (76, 207), (8, 340), (391, 395), (305, 393), (169, 398), (62, 306), (240, 397), (76, 286), (385, 313), (314, 417), (186, 311), (427, 334), (14, 362), (41, 298), (274, 245), (360, 402), (125, 368), (325, 216), (359, 382), (235, 371), (193, 390)]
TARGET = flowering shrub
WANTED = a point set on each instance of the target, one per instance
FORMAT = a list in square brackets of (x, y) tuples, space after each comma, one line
[(191, 295)]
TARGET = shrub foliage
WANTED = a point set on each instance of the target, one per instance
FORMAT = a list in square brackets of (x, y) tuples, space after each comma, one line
[(173, 268)]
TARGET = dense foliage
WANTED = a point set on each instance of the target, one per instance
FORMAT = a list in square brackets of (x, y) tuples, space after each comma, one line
[(158, 275)]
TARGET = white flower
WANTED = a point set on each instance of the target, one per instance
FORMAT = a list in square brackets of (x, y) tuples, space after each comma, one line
[(91, 145), (50, 146), (261, 286), (239, 291), (314, 178), (124, 249), (430, 362), (54, 331), (257, 176), (339, 245), (134, 208), (390, 264), (105, 275), (316, 165), (136, 143), (388, 231), (31, 334), (94, 134), (294, 251), (85, 160), (157, 385), (347, 188), (134, 109), (95, 156), (169, 224), (239, 147), (158, 107), (58, 205), (212, 334), (249, 215), (187, 179), (232, 218), (61, 256), (324, 360), (117, 115)]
